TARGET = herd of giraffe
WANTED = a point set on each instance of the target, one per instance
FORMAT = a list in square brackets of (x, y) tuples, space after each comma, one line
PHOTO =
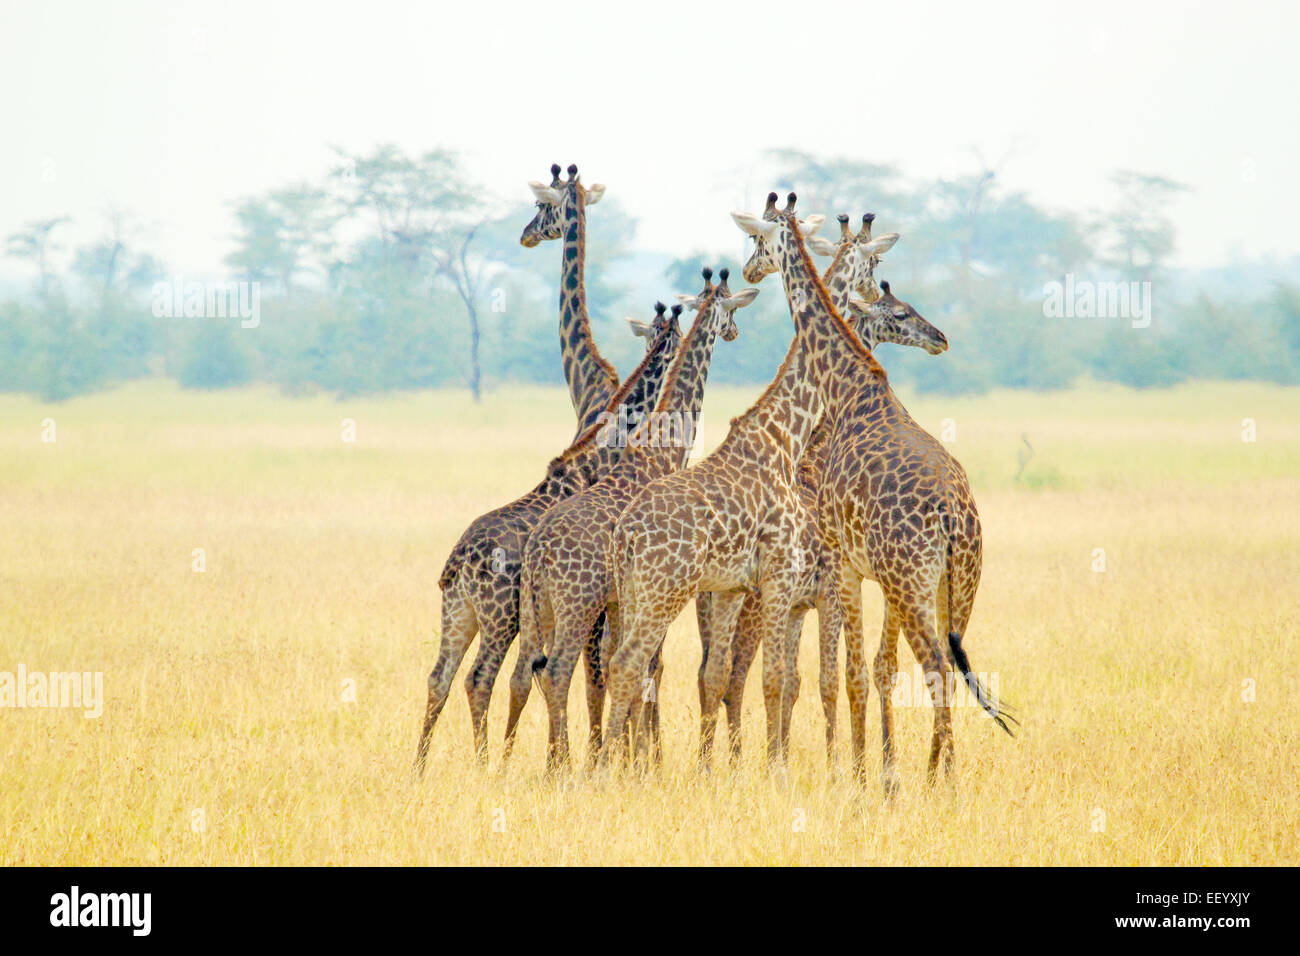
[(824, 482)]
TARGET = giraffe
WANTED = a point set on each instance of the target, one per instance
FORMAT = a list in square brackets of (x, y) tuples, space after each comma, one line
[(565, 583), (891, 503), (875, 318), (851, 272), (562, 212), (729, 525), (480, 581)]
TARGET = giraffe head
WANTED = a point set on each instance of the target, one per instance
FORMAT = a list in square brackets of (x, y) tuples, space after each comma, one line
[(650, 330), (556, 203), (717, 303), (769, 237), (859, 254), (888, 319)]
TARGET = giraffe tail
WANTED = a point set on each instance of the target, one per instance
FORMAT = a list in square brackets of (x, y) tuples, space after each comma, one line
[(530, 615), (1000, 712)]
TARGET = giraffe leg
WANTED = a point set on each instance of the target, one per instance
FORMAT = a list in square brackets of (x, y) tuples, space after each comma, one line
[(596, 650), (715, 670), (639, 728), (828, 639), (704, 621), (458, 629), (919, 622), (521, 683), (941, 747), (886, 677), (493, 644), (642, 631), (572, 634), (645, 710), (848, 584), (559, 673), (790, 691), (774, 616), (626, 667), (650, 703), (536, 627), (744, 647)]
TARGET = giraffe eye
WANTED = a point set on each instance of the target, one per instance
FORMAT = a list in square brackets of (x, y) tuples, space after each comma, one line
[(900, 314)]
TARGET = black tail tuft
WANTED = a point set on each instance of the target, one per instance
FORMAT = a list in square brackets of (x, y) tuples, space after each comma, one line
[(999, 712), (539, 662)]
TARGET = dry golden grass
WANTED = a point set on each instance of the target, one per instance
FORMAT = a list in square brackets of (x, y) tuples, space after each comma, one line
[(225, 689)]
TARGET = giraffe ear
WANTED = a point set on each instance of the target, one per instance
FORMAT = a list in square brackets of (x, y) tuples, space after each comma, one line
[(877, 247), (544, 193), (687, 301), (595, 193), (857, 302), (821, 245), (753, 226), (810, 225), (639, 328), (740, 299)]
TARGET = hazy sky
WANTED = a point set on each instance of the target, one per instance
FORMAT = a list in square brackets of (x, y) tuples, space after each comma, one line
[(171, 110)]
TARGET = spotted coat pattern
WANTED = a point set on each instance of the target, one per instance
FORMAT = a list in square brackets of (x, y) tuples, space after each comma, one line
[(729, 524), (480, 581), (890, 320), (891, 503), (566, 581)]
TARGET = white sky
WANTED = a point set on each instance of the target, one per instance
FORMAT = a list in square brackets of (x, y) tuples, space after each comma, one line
[(171, 110)]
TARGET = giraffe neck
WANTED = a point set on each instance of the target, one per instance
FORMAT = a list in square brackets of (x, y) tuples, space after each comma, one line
[(789, 410), (775, 429), (813, 463), (840, 366), (590, 377), (667, 434), (648, 379), (596, 450), (837, 279)]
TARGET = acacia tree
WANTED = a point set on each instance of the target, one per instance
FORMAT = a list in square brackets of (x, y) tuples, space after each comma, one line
[(112, 264), (1143, 235), (467, 272), (428, 223), (285, 234), (34, 242), (839, 185)]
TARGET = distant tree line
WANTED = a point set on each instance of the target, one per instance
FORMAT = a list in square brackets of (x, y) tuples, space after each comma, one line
[(397, 272)]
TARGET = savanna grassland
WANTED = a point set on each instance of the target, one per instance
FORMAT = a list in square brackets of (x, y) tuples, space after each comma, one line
[(265, 709)]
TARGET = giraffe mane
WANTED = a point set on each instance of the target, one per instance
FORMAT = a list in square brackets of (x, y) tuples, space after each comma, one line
[(840, 252), (819, 289)]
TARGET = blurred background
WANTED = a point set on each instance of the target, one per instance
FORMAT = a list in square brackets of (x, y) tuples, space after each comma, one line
[(364, 172)]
